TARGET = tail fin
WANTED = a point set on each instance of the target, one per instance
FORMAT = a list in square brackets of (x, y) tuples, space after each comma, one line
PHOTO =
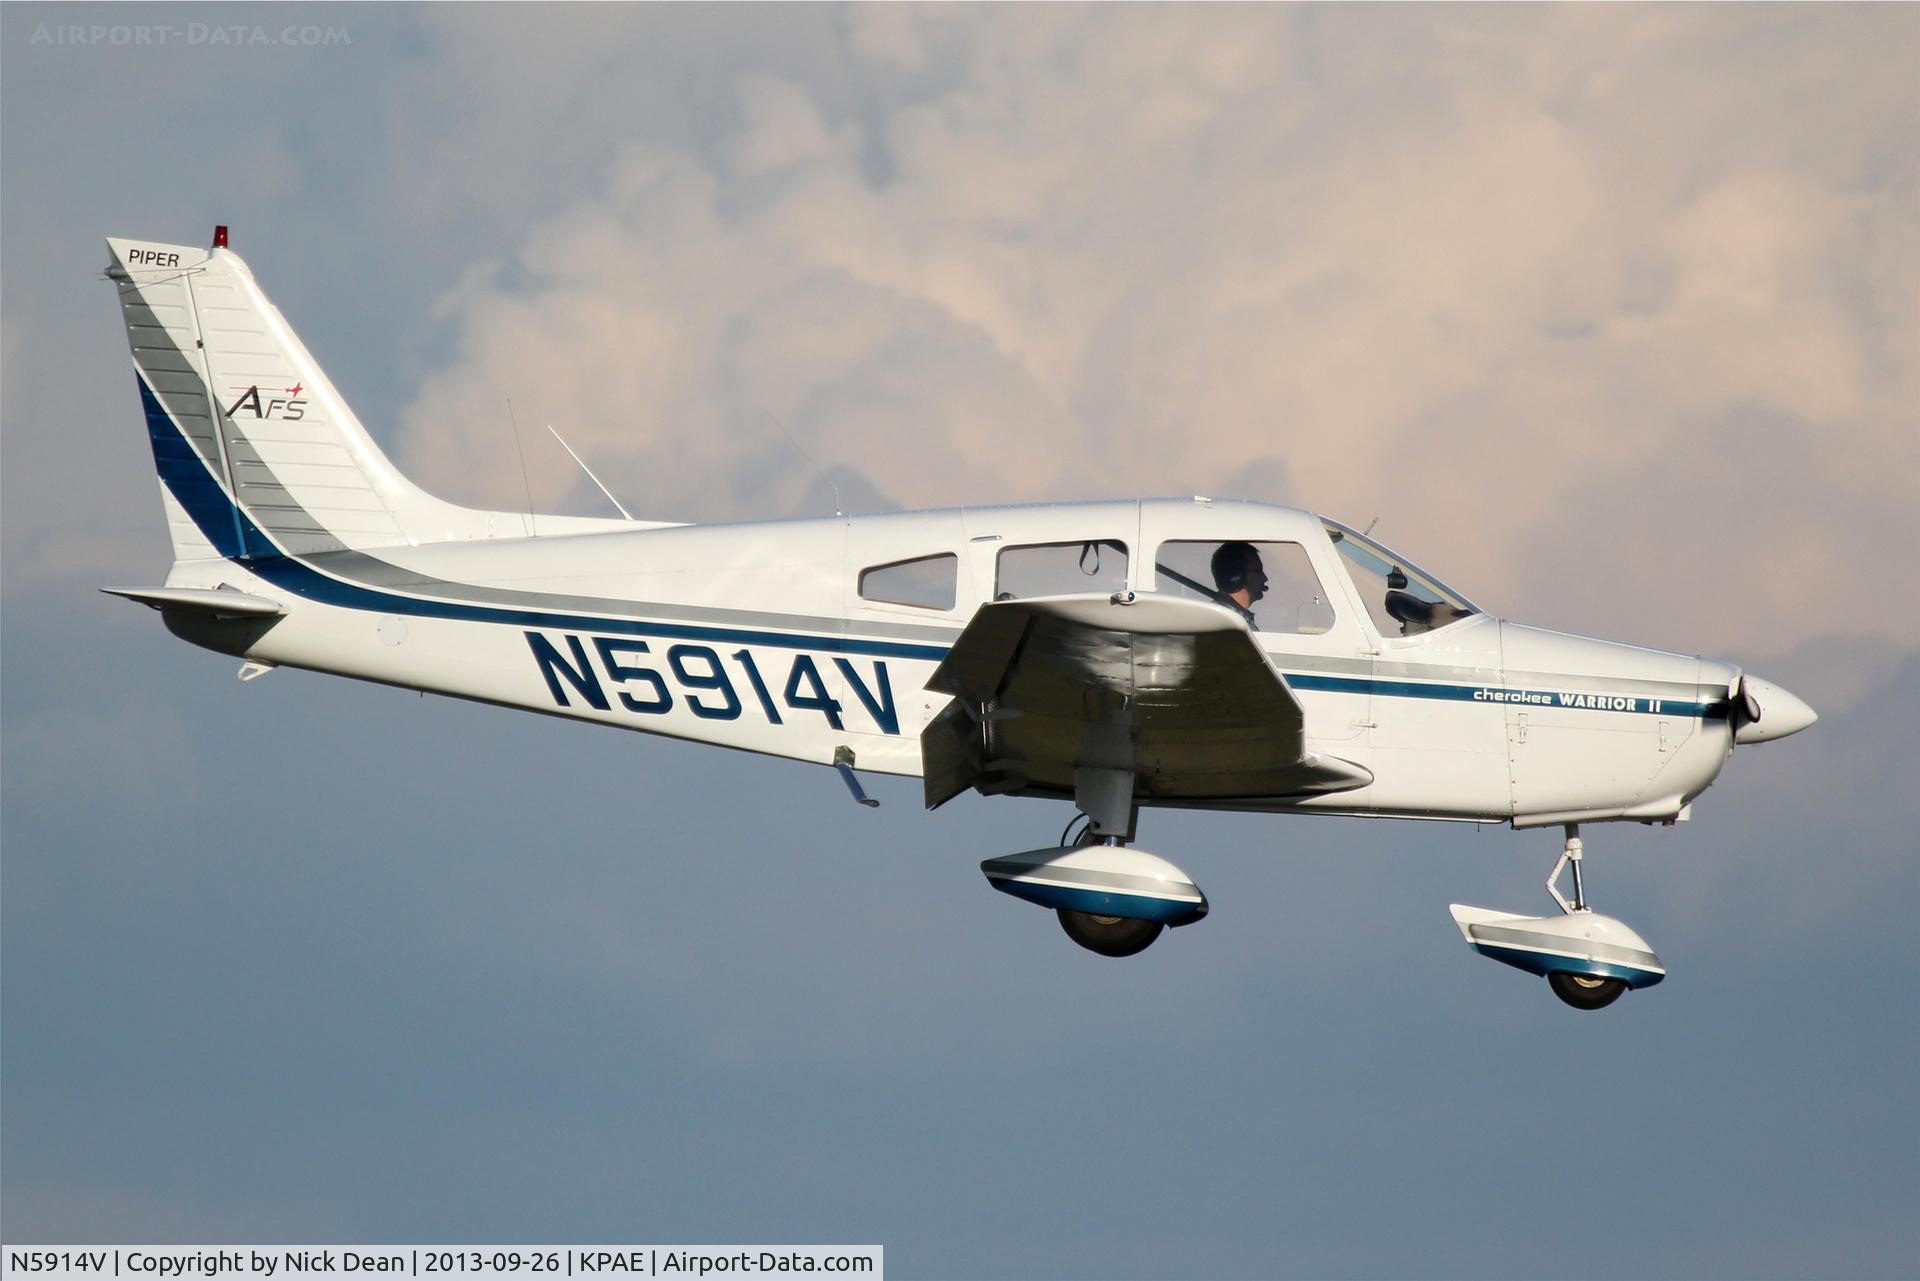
[(258, 455)]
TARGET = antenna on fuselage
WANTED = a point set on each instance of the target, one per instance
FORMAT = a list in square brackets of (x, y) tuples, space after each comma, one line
[(533, 528), (812, 462), (590, 476)]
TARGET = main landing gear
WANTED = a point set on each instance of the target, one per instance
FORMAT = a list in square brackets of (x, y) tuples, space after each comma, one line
[(1103, 932), (1110, 897), (1588, 960)]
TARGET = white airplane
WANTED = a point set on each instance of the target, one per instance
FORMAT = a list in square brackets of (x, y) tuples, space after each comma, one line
[(1178, 653)]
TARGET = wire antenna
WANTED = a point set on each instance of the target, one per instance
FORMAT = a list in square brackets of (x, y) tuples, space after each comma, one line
[(813, 463), (533, 527), (590, 476)]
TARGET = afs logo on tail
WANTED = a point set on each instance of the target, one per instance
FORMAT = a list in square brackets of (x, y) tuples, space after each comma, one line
[(276, 407)]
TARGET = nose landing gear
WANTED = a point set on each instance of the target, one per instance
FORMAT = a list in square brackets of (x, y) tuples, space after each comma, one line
[(1589, 960), (1584, 991)]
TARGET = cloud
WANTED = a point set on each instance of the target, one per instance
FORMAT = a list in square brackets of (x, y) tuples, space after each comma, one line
[(1585, 275), (1639, 290)]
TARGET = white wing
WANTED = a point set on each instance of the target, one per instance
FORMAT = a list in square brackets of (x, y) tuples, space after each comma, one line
[(1175, 691)]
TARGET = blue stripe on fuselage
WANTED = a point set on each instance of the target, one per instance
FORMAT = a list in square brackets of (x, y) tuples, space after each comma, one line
[(296, 576), (228, 528), (1542, 700)]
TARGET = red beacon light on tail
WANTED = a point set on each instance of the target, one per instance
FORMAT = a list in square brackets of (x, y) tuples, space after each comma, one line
[(220, 236)]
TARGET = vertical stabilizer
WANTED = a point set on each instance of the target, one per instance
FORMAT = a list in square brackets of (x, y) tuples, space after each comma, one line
[(258, 454), (217, 359)]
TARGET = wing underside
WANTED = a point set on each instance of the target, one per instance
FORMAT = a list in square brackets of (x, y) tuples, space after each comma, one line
[(1175, 692)]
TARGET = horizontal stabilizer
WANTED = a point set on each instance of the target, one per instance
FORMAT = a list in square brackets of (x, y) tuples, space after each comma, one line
[(221, 602)]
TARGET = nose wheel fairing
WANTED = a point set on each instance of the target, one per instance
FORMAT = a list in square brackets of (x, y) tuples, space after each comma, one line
[(1582, 942)]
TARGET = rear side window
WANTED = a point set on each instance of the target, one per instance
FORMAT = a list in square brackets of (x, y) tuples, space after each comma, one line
[(1271, 585), (1060, 569), (927, 582)]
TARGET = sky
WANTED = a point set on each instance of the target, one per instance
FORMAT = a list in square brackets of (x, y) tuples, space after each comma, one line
[(1610, 315)]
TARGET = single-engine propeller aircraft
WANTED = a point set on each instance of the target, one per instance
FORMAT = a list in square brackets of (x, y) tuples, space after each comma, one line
[(1171, 653)]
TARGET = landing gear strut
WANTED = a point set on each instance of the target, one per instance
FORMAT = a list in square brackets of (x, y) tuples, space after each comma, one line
[(1581, 991), (1570, 855)]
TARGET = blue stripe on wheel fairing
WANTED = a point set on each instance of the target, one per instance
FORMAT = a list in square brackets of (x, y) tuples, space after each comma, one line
[(1137, 907), (1544, 963), (229, 529)]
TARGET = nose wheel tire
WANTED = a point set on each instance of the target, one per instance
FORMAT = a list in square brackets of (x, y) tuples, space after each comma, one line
[(1109, 935), (1585, 991)]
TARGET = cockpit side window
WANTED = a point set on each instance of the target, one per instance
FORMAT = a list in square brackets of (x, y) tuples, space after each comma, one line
[(927, 582), (1401, 599), (1060, 569), (1271, 585)]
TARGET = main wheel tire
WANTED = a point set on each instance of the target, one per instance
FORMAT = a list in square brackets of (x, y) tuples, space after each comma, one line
[(1109, 935), (1586, 991)]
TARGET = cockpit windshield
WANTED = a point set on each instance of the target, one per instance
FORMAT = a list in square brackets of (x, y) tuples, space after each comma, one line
[(1403, 599)]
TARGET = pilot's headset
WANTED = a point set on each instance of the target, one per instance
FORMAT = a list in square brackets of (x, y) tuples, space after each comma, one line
[(1233, 566)]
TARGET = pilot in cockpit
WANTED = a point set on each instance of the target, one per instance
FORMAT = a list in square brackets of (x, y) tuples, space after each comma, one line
[(1240, 577)]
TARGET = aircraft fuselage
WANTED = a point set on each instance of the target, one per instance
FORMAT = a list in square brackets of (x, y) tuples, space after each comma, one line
[(757, 636)]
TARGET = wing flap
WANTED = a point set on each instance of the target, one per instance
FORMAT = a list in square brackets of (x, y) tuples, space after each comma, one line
[(950, 754)]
